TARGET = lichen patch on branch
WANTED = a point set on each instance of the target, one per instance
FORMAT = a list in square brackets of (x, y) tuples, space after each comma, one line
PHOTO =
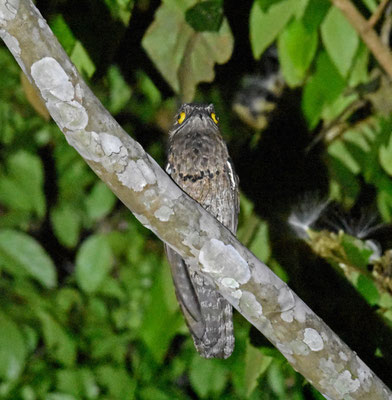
[(223, 261), (313, 339), (249, 305), (11, 42), (52, 80), (8, 10)]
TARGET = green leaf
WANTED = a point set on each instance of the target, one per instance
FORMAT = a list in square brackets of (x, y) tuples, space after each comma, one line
[(356, 251), (67, 223), (322, 89), (205, 16), (266, 4), (59, 344), (314, 13), (368, 289), (297, 48), (160, 320), (82, 60), (265, 26), (208, 377), (339, 150), (100, 201), (120, 92), (359, 72), (371, 4), (77, 382), (276, 379), (256, 364), (384, 204), (23, 255), (153, 393), (117, 381), (385, 156), (93, 263), (340, 40), (12, 349), (59, 396), (260, 243), (22, 187), (120, 9), (63, 33), (185, 57)]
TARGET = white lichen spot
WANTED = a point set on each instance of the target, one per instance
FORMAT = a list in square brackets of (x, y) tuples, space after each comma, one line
[(82, 141), (142, 219), (230, 283), (137, 175), (313, 339), (8, 10), (78, 91), (365, 375), (68, 114), (287, 316), (165, 183), (52, 80), (301, 310), (132, 177), (284, 348), (42, 23), (146, 171), (344, 383), (11, 42), (163, 213), (286, 299), (223, 261), (110, 144), (299, 348), (250, 306), (236, 294), (286, 351), (343, 356)]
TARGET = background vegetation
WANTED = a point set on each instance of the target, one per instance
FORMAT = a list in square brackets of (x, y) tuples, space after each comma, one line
[(87, 307)]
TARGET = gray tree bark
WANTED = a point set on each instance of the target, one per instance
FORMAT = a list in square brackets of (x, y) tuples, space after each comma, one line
[(308, 344)]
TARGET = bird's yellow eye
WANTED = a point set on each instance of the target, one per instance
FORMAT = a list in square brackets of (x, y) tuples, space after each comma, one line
[(181, 118), (214, 118)]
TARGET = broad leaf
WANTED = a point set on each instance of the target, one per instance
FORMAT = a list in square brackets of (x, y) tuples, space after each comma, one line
[(322, 89), (265, 26), (100, 201), (12, 349), (22, 187), (340, 40), (205, 16), (67, 223), (93, 263), (22, 255), (185, 57), (60, 346), (297, 48)]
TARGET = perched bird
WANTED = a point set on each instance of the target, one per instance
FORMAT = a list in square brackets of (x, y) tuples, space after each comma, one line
[(198, 161)]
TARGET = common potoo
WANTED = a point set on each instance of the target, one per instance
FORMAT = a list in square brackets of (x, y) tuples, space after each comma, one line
[(198, 161)]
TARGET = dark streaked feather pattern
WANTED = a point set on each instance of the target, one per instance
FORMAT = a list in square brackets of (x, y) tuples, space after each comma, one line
[(199, 163)]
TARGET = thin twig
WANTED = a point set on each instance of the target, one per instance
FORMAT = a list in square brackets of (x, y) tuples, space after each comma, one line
[(372, 21)]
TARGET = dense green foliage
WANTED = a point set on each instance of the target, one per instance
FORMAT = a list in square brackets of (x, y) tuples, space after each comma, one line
[(88, 309)]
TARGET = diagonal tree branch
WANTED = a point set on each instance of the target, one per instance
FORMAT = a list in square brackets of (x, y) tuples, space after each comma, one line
[(309, 345)]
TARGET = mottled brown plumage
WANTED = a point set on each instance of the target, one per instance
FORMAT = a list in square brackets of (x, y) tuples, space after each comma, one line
[(199, 163)]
